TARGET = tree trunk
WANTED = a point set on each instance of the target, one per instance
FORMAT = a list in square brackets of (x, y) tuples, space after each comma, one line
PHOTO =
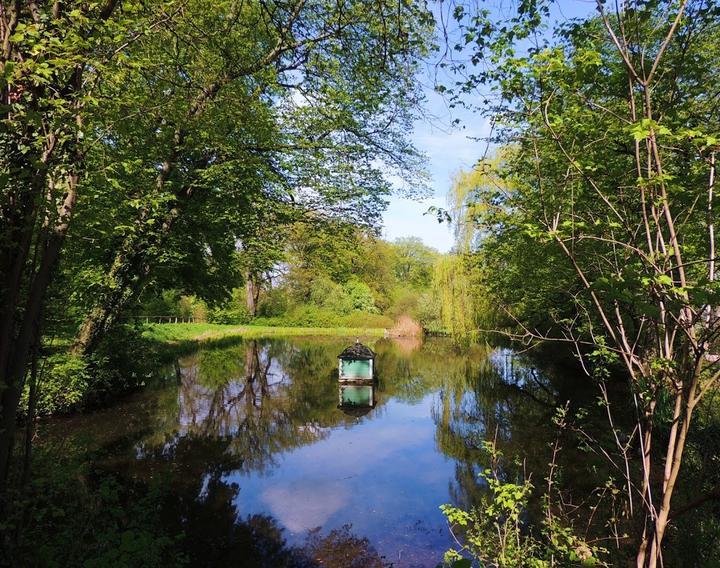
[(252, 361), (32, 405), (252, 293), (13, 373), (129, 273)]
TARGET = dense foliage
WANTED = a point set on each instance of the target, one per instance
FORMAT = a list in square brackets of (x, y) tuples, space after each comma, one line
[(593, 225), (174, 134), (324, 277)]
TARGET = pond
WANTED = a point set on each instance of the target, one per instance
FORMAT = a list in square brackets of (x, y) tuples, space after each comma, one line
[(261, 457)]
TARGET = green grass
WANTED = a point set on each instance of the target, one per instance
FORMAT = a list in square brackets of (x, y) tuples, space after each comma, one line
[(200, 332)]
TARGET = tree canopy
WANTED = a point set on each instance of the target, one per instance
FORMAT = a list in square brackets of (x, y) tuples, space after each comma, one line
[(594, 221), (174, 133)]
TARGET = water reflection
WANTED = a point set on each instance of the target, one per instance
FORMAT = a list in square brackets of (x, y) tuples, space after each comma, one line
[(267, 455), (245, 397), (219, 535), (356, 398)]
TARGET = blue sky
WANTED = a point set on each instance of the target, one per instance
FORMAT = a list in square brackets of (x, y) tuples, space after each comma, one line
[(450, 149)]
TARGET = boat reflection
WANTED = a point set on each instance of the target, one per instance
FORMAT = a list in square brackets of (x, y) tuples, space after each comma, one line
[(356, 398)]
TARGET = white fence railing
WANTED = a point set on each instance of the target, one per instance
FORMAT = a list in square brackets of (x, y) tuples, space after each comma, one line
[(163, 319)]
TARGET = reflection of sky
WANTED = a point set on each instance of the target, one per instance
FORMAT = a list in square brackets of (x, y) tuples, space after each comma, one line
[(383, 473), (384, 476)]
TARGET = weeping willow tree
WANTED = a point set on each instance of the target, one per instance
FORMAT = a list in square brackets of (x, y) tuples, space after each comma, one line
[(469, 199), (453, 286), (459, 279)]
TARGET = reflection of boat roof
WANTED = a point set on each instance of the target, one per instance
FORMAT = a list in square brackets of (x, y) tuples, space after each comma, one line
[(357, 351), (355, 411)]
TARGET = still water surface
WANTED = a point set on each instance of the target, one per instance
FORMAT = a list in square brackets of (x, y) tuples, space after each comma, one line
[(253, 442)]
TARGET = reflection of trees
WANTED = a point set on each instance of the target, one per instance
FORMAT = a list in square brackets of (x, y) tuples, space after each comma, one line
[(497, 399), (238, 408), (244, 397), (505, 397), (199, 507), (259, 399), (341, 549)]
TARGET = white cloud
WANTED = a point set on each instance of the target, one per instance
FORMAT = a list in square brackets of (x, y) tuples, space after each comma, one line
[(304, 504), (448, 150)]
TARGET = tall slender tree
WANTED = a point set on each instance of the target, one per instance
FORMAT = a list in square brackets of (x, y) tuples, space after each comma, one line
[(53, 55)]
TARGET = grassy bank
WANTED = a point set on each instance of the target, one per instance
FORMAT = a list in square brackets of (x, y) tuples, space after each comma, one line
[(201, 332)]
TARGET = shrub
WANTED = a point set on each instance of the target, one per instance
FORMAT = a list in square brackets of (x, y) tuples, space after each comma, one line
[(313, 316), (428, 311), (494, 534), (74, 520), (405, 326), (405, 301), (68, 382), (274, 303), (360, 296), (192, 307), (173, 303), (230, 316), (329, 295), (64, 384)]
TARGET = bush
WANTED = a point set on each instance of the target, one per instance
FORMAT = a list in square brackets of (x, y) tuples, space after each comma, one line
[(173, 303), (405, 326), (313, 316), (359, 319), (404, 302), (428, 311), (68, 382), (494, 533), (192, 307), (65, 381), (330, 296), (233, 312), (74, 520), (360, 296), (354, 295), (274, 303), (230, 316)]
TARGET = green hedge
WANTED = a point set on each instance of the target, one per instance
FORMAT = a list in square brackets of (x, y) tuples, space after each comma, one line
[(312, 316)]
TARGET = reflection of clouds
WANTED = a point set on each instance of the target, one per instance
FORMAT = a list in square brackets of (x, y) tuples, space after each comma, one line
[(325, 477), (353, 455), (305, 504)]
